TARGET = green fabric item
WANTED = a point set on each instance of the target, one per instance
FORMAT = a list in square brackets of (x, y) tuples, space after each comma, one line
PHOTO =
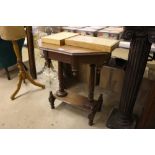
[(7, 55)]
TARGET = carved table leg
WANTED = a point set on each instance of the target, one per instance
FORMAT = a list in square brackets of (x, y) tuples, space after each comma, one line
[(61, 92), (91, 93), (95, 106), (139, 50), (51, 100)]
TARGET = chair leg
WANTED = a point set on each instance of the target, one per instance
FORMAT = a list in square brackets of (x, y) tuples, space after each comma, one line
[(7, 73)]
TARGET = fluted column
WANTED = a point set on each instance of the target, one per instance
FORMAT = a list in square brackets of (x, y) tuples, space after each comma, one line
[(141, 39)]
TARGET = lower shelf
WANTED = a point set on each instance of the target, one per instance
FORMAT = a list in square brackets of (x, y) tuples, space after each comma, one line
[(80, 102), (75, 100)]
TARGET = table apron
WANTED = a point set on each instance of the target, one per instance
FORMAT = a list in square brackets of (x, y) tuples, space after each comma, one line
[(99, 59)]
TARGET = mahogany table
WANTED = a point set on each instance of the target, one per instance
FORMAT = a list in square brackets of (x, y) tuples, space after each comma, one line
[(74, 56)]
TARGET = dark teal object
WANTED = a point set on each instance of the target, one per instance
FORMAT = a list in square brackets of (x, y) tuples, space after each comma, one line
[(7, 55)]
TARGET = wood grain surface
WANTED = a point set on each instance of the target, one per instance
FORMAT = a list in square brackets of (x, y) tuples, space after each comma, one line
[(94, 43), (58, 38)]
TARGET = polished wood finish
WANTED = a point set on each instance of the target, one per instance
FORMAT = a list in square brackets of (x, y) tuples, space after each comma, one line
[(91, 94), (91, 83), (61, 92), (68, 53), (31, 54), (73, 56), (95, 107), (94, 43), (76, 100), (147, 118), (12, 32), (69, 50), (58, 38), (141, 40)]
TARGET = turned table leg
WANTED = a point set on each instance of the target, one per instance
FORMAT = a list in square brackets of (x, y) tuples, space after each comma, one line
[(61, 92), (139, 50), (95, 105), (91, 93), (91, 84)]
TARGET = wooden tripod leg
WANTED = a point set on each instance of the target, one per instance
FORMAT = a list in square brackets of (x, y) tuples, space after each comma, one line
[(22, 67), (18, 87), (34, 82)]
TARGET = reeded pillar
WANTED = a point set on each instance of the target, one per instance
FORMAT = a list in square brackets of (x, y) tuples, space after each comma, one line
[(141, 39)]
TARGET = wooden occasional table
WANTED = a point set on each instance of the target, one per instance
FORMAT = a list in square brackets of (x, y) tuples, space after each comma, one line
[(73, 56)]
